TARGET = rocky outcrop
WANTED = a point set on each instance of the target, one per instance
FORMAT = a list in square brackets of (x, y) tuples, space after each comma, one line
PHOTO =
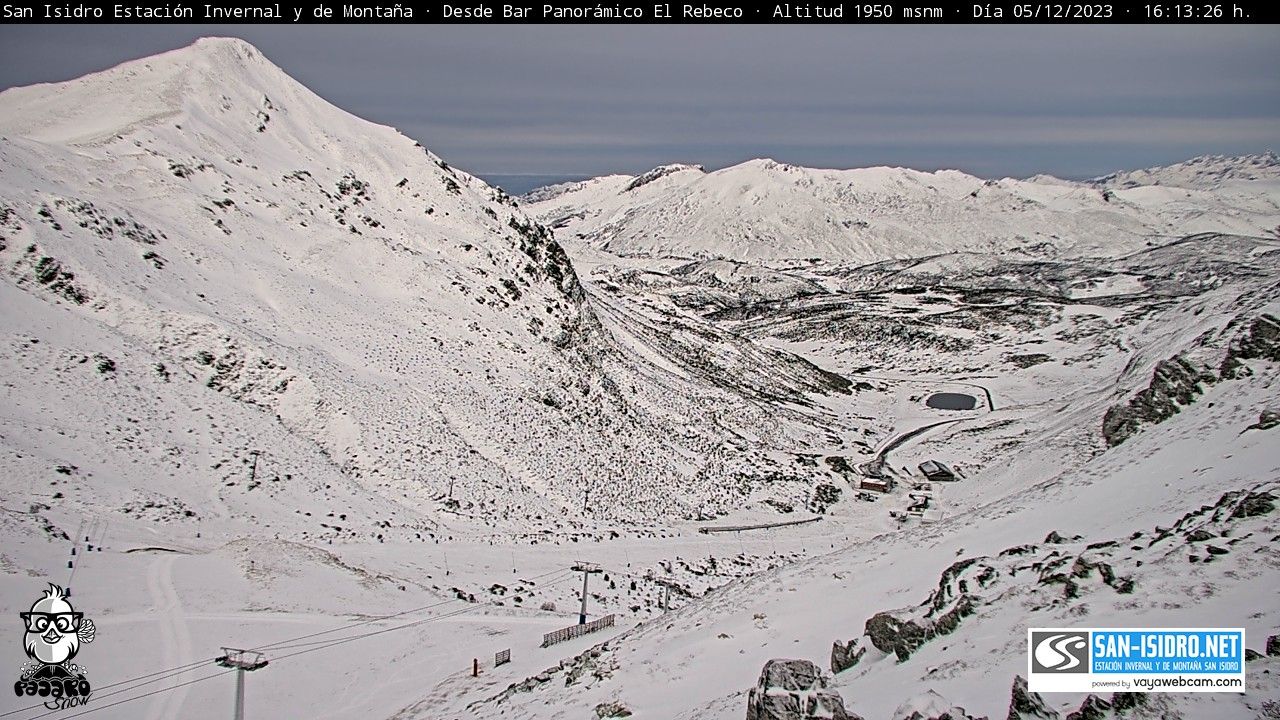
[(1123, 701), (609, 710), (1026, 705), (1261, 340), (658, 173), (1093, 708), (1273, 646), (794, 690), (929, 705), (1267, 419), (846, 655), (1174, 383), (1066, 572)]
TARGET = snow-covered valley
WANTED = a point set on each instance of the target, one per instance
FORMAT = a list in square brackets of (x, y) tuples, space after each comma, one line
[(307, 389)]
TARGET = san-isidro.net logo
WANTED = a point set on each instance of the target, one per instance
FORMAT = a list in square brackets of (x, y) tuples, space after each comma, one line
[(1135, 660)]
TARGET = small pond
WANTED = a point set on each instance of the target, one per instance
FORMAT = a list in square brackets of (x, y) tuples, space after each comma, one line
[(952, 401)]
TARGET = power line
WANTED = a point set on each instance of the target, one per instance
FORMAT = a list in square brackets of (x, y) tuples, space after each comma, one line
[(320, 645), (275, 645), (136, 697), (327, 644), (406, 626), (132, 682), (284, 644)]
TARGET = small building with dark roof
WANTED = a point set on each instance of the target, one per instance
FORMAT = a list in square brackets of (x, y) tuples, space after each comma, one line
[(937, 471)]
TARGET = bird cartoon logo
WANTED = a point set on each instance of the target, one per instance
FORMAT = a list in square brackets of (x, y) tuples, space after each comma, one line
[(55, 631)]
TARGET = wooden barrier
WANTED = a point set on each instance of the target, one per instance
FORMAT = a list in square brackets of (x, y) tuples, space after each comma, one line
[(502, 658), (764, 526), (574, 631)]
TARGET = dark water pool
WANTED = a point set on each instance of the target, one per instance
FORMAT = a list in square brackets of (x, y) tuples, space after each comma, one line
[(952, 401)]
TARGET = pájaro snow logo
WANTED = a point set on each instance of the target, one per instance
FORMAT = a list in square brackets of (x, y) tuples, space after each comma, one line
[(54, 631), (1060, 652)]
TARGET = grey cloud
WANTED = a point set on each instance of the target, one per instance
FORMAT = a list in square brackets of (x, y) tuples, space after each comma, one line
[(997, 100)]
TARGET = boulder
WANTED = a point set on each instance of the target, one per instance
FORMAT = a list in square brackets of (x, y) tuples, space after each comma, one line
[(846, 655), (1273, 645), (791, 675), (794, 690), (1267, 419)]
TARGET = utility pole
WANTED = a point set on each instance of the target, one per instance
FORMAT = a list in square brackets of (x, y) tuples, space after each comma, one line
[(587, 570), (666, 593), (241, 660)]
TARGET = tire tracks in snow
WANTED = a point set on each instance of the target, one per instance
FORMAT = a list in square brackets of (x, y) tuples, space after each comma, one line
[(175, 636)]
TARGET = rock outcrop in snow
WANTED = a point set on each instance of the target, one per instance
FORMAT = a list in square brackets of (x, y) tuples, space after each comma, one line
[(794, 690)]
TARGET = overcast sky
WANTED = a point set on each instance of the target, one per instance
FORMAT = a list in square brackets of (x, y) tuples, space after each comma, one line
[(587, 100)]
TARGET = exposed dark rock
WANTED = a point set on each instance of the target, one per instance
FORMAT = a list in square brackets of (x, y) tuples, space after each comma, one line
[(902, 637), (657, 173), (1254, 504), (551, 261), (890, 635), (1174, 383), (1123, 701), (932, 706), (824, 496), (794, 690), (791, 675), (1093, 708), (1267, 419), (1200, 535), (846, 655), (1260, 340), (1026, 705), (1273, 645), (839, 464), (1029, 359), (1250, 655), (1018, 550), (614, 709)]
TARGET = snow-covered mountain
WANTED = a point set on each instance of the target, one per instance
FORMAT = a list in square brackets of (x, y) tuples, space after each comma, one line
[(1127, 427), (309, 389), (1202, 173), (1120, 337), (764, 210), (196, 237)]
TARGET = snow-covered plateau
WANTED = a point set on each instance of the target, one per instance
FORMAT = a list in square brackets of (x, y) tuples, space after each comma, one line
[(278, 379)]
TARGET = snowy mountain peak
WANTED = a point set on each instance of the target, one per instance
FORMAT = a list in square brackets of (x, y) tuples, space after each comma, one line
[(1203, 172), (765, 210), (206, 80), (660, 172)]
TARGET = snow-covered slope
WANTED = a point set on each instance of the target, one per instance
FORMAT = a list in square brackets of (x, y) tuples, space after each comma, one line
[(219, 243), (1200, 173), (1126, 441), (311, 390), (766, 211)]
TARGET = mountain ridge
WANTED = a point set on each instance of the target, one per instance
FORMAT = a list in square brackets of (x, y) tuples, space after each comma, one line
[(774, 212)]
